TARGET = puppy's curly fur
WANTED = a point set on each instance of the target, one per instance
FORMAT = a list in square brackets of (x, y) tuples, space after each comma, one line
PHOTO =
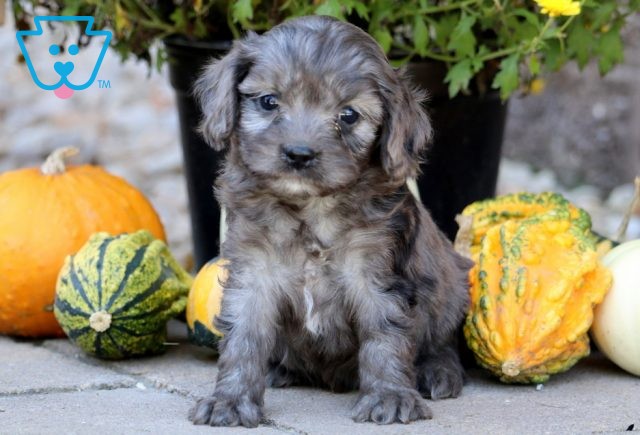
[(338, 276)]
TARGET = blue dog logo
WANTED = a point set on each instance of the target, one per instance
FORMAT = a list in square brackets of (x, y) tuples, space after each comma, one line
[(62, 80)]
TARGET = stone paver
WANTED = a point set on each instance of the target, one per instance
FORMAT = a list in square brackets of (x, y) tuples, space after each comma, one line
[(185, 369), (39, 383), (28, 368), (593, 397), (121, 411)]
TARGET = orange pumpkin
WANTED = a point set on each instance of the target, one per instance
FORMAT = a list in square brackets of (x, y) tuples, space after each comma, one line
[(47, 214)]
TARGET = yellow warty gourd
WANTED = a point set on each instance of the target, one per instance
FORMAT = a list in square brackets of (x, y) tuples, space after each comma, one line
[(536, 280)]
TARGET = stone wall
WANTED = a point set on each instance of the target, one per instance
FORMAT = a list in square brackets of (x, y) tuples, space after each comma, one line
[(583, 127)]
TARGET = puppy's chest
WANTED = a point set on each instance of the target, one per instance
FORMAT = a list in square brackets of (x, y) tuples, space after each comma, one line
[(315, 252), (322, 296)]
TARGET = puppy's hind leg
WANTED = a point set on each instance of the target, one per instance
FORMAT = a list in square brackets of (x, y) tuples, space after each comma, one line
[(283, 372), (280, 376), (439, 372)]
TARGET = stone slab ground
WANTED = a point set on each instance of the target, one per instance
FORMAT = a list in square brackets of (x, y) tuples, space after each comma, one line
[(50, 387)]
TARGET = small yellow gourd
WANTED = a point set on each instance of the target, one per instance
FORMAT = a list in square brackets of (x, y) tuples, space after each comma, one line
[(203, 304)]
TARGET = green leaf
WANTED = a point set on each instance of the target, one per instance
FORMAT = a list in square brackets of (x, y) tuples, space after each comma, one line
[(603, 15), (534, 65), (161, 58), (200, 29), (121, 21), (361, 9), (179, 18), (520, 30), (444, 27), (554, 56), (507, 79), (420, 35), (580, 41), (529, 16), (71, 8), (331, 8), (380, 11), (384, 38), (242, 11), (459, 76), (462, 41), (610, 49), (476, 63)]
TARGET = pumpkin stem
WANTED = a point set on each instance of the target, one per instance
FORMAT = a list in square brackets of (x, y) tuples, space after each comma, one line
[(627, 216), (510, 368), (55, 163), (100, 321)]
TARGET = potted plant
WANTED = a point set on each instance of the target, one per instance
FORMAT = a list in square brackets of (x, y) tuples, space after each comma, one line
[(471, 55)]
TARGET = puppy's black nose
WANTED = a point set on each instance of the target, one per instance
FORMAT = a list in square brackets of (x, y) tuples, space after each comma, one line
[(299, 156)]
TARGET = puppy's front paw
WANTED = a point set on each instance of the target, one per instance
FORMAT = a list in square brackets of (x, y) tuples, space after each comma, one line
[(389, 406), (223, 412)]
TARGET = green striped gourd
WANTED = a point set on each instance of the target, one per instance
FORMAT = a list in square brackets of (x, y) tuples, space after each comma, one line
[(115, 296)]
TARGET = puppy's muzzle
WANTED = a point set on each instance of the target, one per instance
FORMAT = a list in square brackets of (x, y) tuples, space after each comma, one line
[(299, 156)]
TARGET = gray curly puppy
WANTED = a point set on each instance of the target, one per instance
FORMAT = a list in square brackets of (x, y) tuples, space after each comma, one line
[(338, 277)]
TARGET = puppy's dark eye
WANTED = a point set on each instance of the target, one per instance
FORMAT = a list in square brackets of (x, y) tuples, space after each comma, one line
[(348, 115), (268, 102)]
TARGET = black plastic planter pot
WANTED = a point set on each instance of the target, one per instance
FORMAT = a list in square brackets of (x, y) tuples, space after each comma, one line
[(463, 160), (462, 164), (201, 162)]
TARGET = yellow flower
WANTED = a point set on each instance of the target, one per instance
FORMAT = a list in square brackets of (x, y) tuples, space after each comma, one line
[(556, 8)]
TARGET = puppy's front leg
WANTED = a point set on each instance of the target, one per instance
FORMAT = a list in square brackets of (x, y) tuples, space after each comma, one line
[(248, 322), (387, 376)]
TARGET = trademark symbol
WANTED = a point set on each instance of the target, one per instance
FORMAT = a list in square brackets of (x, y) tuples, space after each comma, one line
[(104, 84)]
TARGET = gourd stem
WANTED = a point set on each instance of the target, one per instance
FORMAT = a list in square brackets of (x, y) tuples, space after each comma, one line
[(464, 237), (55, 163), (510, 368), (627, 216), (100, 321)]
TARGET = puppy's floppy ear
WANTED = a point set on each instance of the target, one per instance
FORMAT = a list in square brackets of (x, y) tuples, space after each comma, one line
[(406, 129), (216, 90)]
